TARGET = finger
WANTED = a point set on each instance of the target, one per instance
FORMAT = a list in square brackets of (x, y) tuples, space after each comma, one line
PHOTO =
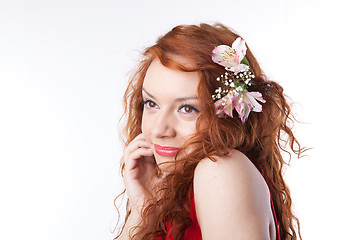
[(138, 137), (131, 160), (140, 143)]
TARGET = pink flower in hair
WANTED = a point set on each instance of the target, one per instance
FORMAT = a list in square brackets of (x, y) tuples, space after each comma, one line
[(247, 102), (244, 102), (231, 57), (236, 80)]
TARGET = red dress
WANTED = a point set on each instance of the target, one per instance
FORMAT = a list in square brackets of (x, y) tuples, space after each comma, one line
[(194, 231)]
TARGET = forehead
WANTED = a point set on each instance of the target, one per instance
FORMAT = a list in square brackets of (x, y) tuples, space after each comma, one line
[(161, 80)]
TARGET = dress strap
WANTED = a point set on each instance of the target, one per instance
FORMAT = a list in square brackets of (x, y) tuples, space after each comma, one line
[(275, 218)]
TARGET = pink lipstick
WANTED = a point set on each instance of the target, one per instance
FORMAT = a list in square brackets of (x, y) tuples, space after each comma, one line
[(165, 150)]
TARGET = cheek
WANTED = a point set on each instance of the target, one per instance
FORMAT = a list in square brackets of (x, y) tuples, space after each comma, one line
[(145, 127), (187, 129)]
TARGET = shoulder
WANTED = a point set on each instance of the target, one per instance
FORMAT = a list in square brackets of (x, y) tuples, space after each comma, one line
[(229, 193), (235, 170), (235, 159)]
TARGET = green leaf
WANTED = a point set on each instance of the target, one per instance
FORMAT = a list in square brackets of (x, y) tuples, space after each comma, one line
[(245, 61)]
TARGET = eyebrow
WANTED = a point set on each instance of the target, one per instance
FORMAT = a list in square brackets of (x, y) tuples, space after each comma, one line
[(177, 99)]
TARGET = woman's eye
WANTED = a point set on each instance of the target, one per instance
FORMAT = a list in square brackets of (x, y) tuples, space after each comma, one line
[(188, 109), (149, 104)]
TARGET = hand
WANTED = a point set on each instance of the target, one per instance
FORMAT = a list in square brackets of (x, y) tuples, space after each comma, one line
[(139, 171)]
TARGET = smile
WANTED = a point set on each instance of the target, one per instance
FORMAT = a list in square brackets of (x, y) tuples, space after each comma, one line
[(165, 150)]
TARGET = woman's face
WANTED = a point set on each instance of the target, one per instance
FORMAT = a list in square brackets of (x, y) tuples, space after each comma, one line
[(171, 108)]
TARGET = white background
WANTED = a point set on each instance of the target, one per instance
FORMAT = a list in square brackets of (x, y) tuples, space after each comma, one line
[(63, 68)]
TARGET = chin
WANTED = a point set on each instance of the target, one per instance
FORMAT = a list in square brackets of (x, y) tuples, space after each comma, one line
[(165, 163)]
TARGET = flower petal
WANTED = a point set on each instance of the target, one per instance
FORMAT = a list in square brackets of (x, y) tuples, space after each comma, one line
[(239, 68), (225, 104), (258, 96), (224, 56), (237, 102), (244, 111), (228, 110), (240, 47), (252, 97), (218, 105), (253, 104), (241, 106)]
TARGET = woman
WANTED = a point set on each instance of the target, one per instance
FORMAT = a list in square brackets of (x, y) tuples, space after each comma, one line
[(204, 135)]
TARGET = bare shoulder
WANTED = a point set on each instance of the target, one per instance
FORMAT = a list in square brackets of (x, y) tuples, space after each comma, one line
[(229, 193), (234, 169)]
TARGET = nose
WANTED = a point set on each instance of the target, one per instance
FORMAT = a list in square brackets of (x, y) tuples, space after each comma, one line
[(164, 125)]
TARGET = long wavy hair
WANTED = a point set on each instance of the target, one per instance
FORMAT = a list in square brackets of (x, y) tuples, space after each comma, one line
[(262, 138)]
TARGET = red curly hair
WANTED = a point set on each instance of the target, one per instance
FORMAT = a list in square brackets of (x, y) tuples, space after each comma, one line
[(262, 138)]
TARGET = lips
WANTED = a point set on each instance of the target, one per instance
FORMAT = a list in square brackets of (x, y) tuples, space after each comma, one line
[(165, 150)]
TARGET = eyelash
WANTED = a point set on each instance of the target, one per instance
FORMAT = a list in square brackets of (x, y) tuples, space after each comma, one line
[(195, 110), (189, 106), (145, 102)]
